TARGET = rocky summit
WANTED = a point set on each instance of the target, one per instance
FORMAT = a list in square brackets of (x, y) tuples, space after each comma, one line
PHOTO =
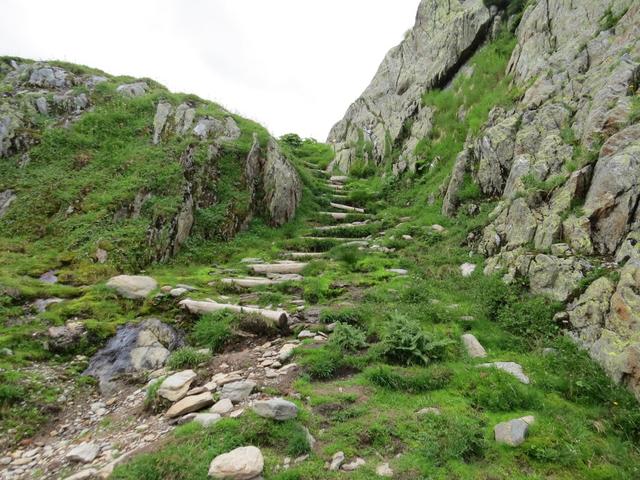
[(447, 288)]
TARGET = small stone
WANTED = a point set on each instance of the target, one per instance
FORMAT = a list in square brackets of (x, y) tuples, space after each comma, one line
[(336, 461), (398, 271), (353, 465), (306, 334), (85, 453), (429, 411), (176, 386), (384, 470), (438, 228), (467, 269), (244, 463), (236, 413), (222, 407), (473, 346), (276, 408), (286, 352), (237, 391), (511, 368), (207, 419), (177, 292), (513, 432)]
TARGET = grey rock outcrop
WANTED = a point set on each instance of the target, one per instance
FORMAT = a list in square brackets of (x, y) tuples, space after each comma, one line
[(134, 348), (131, 90), (444, 35)]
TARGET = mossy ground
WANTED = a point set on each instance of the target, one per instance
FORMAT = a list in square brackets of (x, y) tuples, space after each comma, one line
[(365, 404)]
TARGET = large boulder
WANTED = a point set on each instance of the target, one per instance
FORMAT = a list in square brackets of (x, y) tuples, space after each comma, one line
[(135, 348), (244, 463), (133, 286)]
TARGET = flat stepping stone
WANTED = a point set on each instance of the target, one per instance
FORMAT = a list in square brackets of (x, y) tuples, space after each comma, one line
[(199, 307), (280, 267), (272, 279), (348, 208), (344, 225), (339, 178), (398, 271), (473, 346), (305, 254), (511, 368), (513, 432), (190, 404)]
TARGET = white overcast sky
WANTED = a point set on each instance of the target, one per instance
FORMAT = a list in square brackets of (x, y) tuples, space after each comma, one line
[(293, 65)]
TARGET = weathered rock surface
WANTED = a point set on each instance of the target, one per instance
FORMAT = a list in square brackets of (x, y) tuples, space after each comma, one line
[(276, 408), (133, 286), (176, 386), (84, 453), (134, 348), (473, 346), (444, 35), (513, 432), (244, 463), (192, 403), (511, 368), (237, 391)]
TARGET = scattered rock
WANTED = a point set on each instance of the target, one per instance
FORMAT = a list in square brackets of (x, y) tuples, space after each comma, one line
[(238, 391), (473, 346), (84, 453), (49, 277), (512, 368), (244, 463), (190, 404), (336, 461), (65, 338), (354, 464), (286, 352), (222, 407), (276, 408), (133, 89), (207, 419), (384, 470), (176, 386), (133, 286), (513, 432), (429, 411), (306, 334), (467, 269)]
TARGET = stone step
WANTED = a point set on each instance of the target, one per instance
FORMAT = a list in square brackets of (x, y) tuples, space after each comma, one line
[(341, 225), (339, 178), (279, 267), (271, 279), (304, 254), (200, 307), (348, 208), (337, 239)]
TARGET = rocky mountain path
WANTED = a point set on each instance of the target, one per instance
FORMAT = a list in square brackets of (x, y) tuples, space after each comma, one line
[(94, 433)]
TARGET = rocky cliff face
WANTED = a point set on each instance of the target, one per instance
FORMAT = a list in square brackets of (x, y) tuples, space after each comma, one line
[(445, 34), (83, 149), (565, 164), (563, 161)]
